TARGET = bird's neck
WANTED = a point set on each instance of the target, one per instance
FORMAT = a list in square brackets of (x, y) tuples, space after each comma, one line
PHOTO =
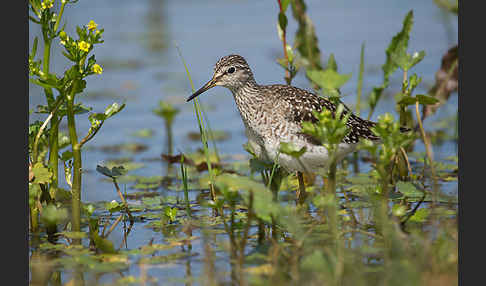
[(248, 97)]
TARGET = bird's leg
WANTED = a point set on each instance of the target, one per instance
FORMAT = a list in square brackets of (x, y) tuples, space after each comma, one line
[(301, 195)]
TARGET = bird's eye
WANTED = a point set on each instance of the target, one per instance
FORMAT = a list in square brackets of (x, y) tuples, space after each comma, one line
[(231, 70)]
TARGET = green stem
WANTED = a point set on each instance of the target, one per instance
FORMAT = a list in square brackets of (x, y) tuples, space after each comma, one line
[(301, 195), (54, 131), (58, 20), (401, 108), (202, 131), (168, 128), (76, 148), (331, 184), (333, 218), (428, 150), (54, 150)]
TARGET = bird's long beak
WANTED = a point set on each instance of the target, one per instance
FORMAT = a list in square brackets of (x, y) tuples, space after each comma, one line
[(207, 86)]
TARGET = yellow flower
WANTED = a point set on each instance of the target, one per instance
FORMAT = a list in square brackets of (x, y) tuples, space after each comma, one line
[(97, 69), (92, 25), (83, 46), (63, 43), (47, 4)]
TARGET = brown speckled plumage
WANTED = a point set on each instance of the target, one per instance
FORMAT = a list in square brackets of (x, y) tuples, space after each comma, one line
[(274, 113)]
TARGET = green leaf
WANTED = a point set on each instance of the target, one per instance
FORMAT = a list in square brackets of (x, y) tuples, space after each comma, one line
[(118, 171), (89, 209), (397, 46), (399, 210), (79, 108), (407, 100), (66, 155), (282, 21), (42, 175), (406, 61), (103, 244), (420, 215), (91, 61), (258, 165), (291, 149), (328, 79), (34, 49), (113, 109), (114, 172), (144, 133), (416, 58), (80, 86), (331, 63), (375, 96), (414, 81), (113, 206), (285, 4), (305, 37), (263, 203), (170, 213), (73, 234), (166, 111), (401, 59), (409, 190), (426, 99), (53, 215)]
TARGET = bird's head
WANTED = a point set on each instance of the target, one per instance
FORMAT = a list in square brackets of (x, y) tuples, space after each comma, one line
[(230, 71)]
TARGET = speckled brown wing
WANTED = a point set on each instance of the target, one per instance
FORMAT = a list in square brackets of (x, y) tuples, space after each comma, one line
[(302, 103)]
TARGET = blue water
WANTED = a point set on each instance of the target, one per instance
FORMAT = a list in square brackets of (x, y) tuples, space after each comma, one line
[(145, 32)]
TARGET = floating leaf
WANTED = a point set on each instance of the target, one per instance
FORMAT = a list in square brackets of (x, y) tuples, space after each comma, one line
[(170, 213), (143, 133), (409, 190), (73, 234), (420, 215)]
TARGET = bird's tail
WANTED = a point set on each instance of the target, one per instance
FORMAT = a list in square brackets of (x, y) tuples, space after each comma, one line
[(403, 129)]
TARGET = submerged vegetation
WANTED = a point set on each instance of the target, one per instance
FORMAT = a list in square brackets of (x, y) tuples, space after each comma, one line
[(384, 215)]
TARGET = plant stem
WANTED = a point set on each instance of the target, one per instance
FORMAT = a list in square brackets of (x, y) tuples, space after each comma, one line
[(58, 20), (331, 184), (54, 150), (284, 43), (123, 200), (54, 131), (202, 131), (76, 149), (359, 90), (186, 192), (428, 151), (168, 128), (301, 195)]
